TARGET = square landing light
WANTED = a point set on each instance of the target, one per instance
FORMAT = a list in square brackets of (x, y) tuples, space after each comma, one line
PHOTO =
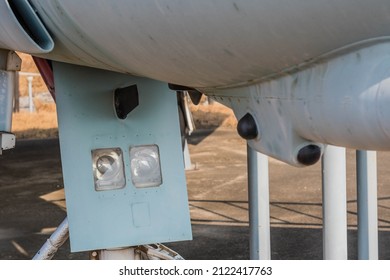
[(145, 166), (108, 169)]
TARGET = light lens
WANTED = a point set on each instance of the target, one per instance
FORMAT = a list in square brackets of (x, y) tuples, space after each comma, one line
[(145, 166), (108, 169)]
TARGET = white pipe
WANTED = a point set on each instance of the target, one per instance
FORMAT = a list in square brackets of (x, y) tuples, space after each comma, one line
[(367, 205), (187, 157), (30, 97), (59, 236), (259, 217), (334, 204)]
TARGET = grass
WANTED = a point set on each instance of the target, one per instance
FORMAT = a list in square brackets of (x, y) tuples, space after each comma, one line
[(43, 122), (212, 116), (40, 124)]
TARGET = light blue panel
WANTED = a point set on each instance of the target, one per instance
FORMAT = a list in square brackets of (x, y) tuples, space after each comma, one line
[(87, 121)]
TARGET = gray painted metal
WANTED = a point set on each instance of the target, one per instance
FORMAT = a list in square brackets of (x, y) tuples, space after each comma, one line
[(203, 43), (51, 246), (30, 94), (9, 64), (342, 102), (334, 204), (187, 157), (29, 35), (6, 97), (259, 216), (119, 254), (367, 205)]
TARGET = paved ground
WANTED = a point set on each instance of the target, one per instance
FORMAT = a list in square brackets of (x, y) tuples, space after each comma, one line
[(32, 202)]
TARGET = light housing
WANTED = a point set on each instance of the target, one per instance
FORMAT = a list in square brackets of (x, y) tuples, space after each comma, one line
[(145, 166), (108, 169)]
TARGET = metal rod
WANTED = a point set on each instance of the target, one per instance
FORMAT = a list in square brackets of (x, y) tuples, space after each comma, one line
[(59, 236), (367, 205), (334, 206), (30, 97), (259, 218), (187, 158)]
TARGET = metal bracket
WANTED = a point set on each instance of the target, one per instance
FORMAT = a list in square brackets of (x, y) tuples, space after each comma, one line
[(9, 63), (7, 141)]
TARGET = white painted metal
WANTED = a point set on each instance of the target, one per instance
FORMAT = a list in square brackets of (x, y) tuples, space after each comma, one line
[(30, 94), (367, 205), (188, 115), (119, 254), (7, 141), (259, 216), (204, 43), (308, 73), (14, 34), (32, 74), (187, 157), (334, 206), (342, 101), (55, 241)]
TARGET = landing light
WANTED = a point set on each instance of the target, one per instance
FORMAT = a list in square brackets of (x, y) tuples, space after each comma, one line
[(108, 169), (145, 166)]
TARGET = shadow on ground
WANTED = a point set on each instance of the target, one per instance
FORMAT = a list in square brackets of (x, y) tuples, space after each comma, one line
[(231, 243)]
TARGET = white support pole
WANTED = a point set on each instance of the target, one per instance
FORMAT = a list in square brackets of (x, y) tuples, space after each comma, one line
[(334, 205), (30, 97), (367, 205), (187, 158), (259, 217)]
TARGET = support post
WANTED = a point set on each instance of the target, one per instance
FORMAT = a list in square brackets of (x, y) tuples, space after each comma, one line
[(259, 218), (187, 158), (30, 97), (16, 93), (56, 240), (334, 206), (367, 205)]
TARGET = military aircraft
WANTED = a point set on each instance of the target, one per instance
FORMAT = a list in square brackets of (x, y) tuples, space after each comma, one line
[(299, 76)]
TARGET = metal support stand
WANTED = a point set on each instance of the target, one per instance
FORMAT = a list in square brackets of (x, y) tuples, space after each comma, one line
[(367, 205), (259, 221), (187, 158), (334, 204), (30, 95), (55, 241)]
